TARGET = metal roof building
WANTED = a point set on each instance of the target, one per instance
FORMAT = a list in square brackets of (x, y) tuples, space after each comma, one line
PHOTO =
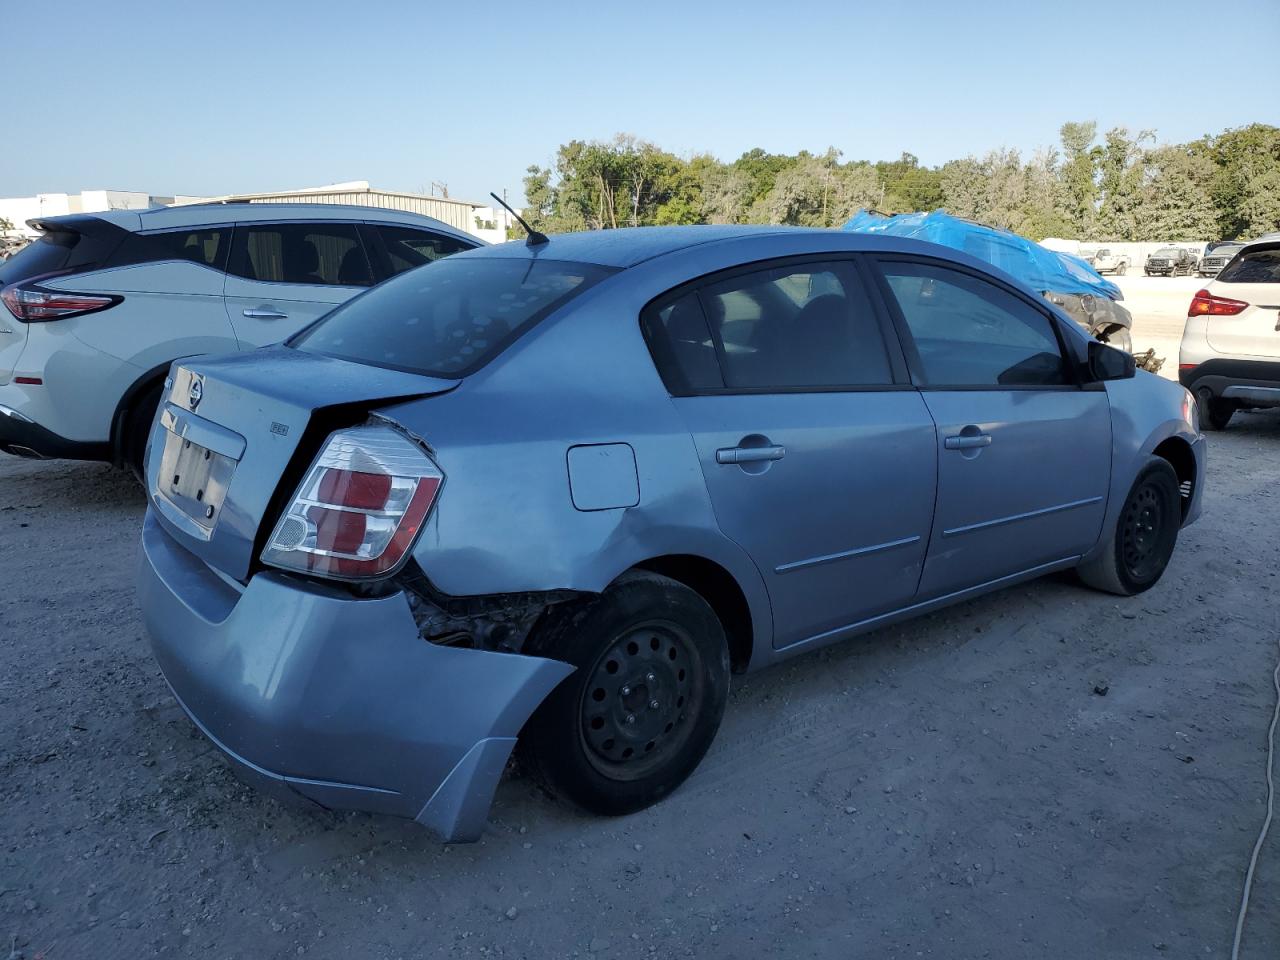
[(462, 214)]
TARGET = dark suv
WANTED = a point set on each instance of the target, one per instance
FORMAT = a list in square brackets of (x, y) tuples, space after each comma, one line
[(1171, 262)]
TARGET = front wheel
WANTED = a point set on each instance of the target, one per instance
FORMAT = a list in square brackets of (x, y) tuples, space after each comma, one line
[(638, 714), (1121, 268), (1118, 337), (1142, 542)]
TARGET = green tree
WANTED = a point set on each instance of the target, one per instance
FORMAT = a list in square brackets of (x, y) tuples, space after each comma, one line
[(1176, 201), (1079, 174), (1122, 175)]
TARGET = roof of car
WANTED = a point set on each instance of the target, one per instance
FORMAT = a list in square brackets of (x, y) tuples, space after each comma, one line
[(628, 246), (202, 214)]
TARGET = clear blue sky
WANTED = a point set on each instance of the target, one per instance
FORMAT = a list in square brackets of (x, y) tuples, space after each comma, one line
[(236, 96)]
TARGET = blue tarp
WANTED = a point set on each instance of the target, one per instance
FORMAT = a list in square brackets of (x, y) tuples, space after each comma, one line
[(1036, 266)]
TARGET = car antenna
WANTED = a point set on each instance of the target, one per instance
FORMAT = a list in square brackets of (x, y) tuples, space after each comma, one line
[(535, 238)]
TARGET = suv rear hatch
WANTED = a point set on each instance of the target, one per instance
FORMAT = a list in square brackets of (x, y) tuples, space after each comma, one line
[(66, 246), (234, 438)]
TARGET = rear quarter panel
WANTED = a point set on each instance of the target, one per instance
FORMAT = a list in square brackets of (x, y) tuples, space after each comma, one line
[(506, 521)]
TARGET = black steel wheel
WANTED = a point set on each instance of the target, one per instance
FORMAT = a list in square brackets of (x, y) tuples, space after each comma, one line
[(636, 717), (1147, 529)]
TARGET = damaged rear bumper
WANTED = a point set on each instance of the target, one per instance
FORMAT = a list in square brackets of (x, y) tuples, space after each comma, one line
[(339, 700)]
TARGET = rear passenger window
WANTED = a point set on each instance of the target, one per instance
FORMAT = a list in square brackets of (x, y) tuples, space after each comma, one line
[(408, 248), (312, 253), (681, 345), (971, 333), (207, 247), (795, 327)]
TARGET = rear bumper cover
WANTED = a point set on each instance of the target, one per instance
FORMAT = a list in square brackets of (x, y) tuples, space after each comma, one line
[(312, 693), (1252, 382), (23, 437)]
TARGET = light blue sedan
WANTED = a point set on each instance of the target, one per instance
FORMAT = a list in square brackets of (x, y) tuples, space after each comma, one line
[(553, 494)]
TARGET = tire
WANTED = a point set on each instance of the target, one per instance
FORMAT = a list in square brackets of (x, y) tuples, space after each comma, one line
[(1139, 548), (1121, 268), (136, 429), (1215, 413), (1118, 337), (649, 649)]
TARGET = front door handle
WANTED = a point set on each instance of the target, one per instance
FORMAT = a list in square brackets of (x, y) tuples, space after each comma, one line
[(264, 314), (968, 441), (750, 454)]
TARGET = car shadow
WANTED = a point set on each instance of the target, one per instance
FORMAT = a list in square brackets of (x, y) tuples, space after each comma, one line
[(67, 486)]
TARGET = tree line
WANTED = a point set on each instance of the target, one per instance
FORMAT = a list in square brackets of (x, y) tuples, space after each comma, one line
[(1121, 185)]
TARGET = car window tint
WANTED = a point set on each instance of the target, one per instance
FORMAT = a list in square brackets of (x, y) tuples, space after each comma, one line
[(1256, 266), (450, 317), (314, 253), (408, 248), (808, 325), (207, 247), (681, 345), (969, 332)]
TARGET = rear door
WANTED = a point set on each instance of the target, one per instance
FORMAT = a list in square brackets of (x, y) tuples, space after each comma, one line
[(818, 456), (282, 276), (1254, 278), (1024, 452)]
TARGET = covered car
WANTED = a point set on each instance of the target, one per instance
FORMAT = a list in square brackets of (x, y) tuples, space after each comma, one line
[(1065, 280)]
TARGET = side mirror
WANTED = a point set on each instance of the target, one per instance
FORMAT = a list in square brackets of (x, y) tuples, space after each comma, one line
[(1108, 363)]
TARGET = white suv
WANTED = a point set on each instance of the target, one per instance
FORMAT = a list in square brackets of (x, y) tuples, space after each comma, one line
[(1230, 354), (97, 308)]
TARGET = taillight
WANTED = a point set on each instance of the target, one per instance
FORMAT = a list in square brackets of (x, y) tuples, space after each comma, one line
[(359, 508), (1206, 304), (33, 304)]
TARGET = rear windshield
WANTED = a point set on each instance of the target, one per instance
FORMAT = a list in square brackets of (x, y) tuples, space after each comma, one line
[(63, 251), (448, 318), (1256, 266)]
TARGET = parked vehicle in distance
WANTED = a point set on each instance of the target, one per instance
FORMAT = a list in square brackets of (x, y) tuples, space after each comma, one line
[(1171, 262), (557, 492), (1217, 256), (1105, 261), (1230, 353), (98, 307)]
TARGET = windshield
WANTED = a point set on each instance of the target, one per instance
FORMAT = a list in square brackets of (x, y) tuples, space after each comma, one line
[(1256, 266), (1166, 252), (448, 318)]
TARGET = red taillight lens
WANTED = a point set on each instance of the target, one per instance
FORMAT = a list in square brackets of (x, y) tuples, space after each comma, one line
[(33, 304), (1206, 304), (359, 508)]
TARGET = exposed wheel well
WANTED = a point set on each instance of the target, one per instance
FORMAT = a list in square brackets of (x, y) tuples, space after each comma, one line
[(1178, 453), (717, 586), (141, 387)]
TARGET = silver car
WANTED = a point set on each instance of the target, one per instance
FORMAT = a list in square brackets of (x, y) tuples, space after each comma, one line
[(553, 495)]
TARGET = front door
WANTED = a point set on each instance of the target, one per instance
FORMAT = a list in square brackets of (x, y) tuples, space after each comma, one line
[(818, 464), (1024, 452), (282, 276)]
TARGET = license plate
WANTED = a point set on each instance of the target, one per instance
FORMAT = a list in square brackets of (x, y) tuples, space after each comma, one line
[(194, 479)]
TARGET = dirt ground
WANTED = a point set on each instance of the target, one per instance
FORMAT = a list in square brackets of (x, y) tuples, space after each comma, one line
[(1045, 773)]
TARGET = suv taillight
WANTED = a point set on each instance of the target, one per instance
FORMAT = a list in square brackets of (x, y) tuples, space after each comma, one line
[(32, 303), (1206, 304), (359, 508)]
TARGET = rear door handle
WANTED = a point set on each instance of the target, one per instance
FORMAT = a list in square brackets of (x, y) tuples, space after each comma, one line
[(968, 441), (750, 454), (265, 314)]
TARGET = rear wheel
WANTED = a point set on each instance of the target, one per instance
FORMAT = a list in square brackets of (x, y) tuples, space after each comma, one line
[(1121, 268), (1145, 534), (636, 717), (137, 427), (1215, 412)]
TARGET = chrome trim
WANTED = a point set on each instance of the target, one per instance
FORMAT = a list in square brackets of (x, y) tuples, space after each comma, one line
[(969, 528), (13, 414), (832, 557)]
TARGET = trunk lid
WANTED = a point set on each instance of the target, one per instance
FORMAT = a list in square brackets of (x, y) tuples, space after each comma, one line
[(234, 435), (1255, 331)]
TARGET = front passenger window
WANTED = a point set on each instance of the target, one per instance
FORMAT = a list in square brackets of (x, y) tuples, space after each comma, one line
[(972, 333)]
